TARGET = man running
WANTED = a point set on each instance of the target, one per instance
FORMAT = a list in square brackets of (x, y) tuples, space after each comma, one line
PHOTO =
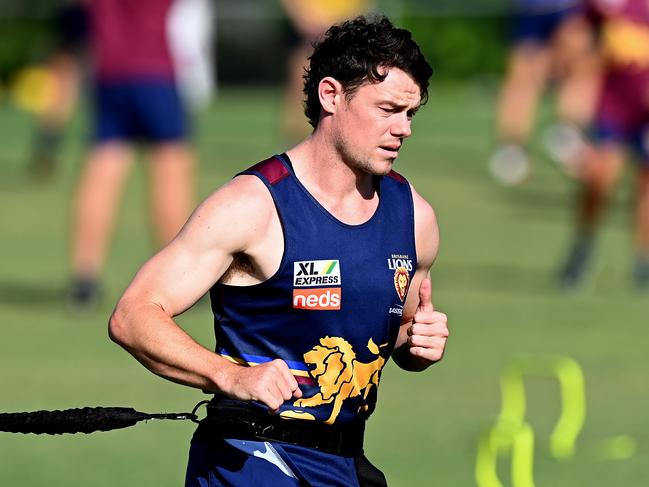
[(317, 261)]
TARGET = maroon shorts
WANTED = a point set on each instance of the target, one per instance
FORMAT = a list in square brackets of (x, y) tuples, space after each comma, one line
[(623, 111)]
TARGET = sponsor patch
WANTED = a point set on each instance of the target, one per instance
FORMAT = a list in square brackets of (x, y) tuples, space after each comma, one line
[(316, 284), (311, 273), (326, 298)]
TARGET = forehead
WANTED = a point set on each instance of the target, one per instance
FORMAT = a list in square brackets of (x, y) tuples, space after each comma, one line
[(398, 87)]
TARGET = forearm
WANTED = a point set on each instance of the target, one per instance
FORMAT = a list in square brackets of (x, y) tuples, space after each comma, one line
[(148, 333)]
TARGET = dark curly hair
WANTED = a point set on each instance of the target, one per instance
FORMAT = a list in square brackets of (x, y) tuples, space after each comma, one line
[(353, 52)]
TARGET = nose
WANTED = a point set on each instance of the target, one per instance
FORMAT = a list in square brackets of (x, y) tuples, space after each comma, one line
[(401, 127)]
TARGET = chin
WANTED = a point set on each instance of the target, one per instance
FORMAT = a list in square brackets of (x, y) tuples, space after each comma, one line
[(384, 172), (378, 166), (383, 168)]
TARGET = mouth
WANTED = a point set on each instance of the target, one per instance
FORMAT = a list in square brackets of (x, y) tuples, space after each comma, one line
[(393, 150)]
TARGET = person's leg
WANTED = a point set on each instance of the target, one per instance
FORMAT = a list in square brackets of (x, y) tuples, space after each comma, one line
[(69, 31), (525, 80), (95, 207), (172, 188), (601, 171), (217, 462), (527, 73), (163, 124), (578, 70), (602, 167), (578, 74), (641, 233), (52, 120)]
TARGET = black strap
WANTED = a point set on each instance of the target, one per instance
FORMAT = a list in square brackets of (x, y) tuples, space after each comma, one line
[(79, 420), (227, 418), (368, 475)]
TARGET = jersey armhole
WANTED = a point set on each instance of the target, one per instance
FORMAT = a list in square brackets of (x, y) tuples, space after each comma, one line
[(282, 263)]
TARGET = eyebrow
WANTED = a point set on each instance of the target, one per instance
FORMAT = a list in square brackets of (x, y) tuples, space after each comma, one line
[(401, 106)]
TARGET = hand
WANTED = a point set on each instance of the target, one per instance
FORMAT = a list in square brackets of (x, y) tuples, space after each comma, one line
[(270, 383), (428, 333)]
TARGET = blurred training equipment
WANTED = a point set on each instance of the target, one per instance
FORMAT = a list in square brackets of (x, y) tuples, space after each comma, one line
[(512, 433)]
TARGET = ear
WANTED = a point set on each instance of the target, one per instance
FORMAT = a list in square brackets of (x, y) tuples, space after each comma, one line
[(330, 93)]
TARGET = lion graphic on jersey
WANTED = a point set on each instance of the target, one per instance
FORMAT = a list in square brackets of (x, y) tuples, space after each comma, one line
[(339, 375), (401, 281)]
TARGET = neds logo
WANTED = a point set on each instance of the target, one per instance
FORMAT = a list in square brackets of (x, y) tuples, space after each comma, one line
[(327, 298)]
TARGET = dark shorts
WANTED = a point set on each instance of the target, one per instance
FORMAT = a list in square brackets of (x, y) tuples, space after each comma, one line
[(148, 111), (246, 463), (538, 27), (622, 116)]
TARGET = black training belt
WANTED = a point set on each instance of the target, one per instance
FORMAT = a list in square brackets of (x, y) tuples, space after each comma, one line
[(228, 418)]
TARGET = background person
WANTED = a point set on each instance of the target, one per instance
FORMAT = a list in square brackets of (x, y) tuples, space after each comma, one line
[(621, 126), (66, 65), (317, 262), (309, 20), (136, 101), (551, 42)]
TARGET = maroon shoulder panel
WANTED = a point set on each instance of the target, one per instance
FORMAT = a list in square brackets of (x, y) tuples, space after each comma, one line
[(397, 177), (272, 169)]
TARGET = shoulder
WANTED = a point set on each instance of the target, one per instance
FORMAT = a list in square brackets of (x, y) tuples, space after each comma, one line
[(426, 230), (397, 177), (245, 192), (271, 169), (236, 213), (245, 195)]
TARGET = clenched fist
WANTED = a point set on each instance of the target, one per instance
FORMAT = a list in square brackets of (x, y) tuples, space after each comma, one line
[(428, 333), (270, 383)]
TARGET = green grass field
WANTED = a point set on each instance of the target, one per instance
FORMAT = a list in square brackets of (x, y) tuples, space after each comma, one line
[(494, 278)]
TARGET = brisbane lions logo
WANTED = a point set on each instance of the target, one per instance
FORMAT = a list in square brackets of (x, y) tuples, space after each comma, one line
[(401, 281), (339, 375)]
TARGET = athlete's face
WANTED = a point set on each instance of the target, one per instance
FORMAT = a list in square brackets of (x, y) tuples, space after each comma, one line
[(372, 124)]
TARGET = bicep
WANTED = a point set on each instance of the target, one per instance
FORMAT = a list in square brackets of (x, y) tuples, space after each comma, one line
[(176, 277), (182, 272)]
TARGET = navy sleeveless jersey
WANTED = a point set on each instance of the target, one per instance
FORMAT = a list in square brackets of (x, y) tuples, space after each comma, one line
[(333, 309)]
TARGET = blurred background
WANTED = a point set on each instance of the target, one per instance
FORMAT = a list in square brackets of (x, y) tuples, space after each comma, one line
[(501, 274)]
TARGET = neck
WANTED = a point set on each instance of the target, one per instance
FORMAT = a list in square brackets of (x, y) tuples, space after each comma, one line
[(347, 194), (321, 169)]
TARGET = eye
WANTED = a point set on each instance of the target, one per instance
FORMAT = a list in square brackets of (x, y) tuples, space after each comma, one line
[(387, 109)]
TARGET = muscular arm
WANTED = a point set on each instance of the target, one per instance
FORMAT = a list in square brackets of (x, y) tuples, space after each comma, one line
[(233, 220), (423, 332)]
